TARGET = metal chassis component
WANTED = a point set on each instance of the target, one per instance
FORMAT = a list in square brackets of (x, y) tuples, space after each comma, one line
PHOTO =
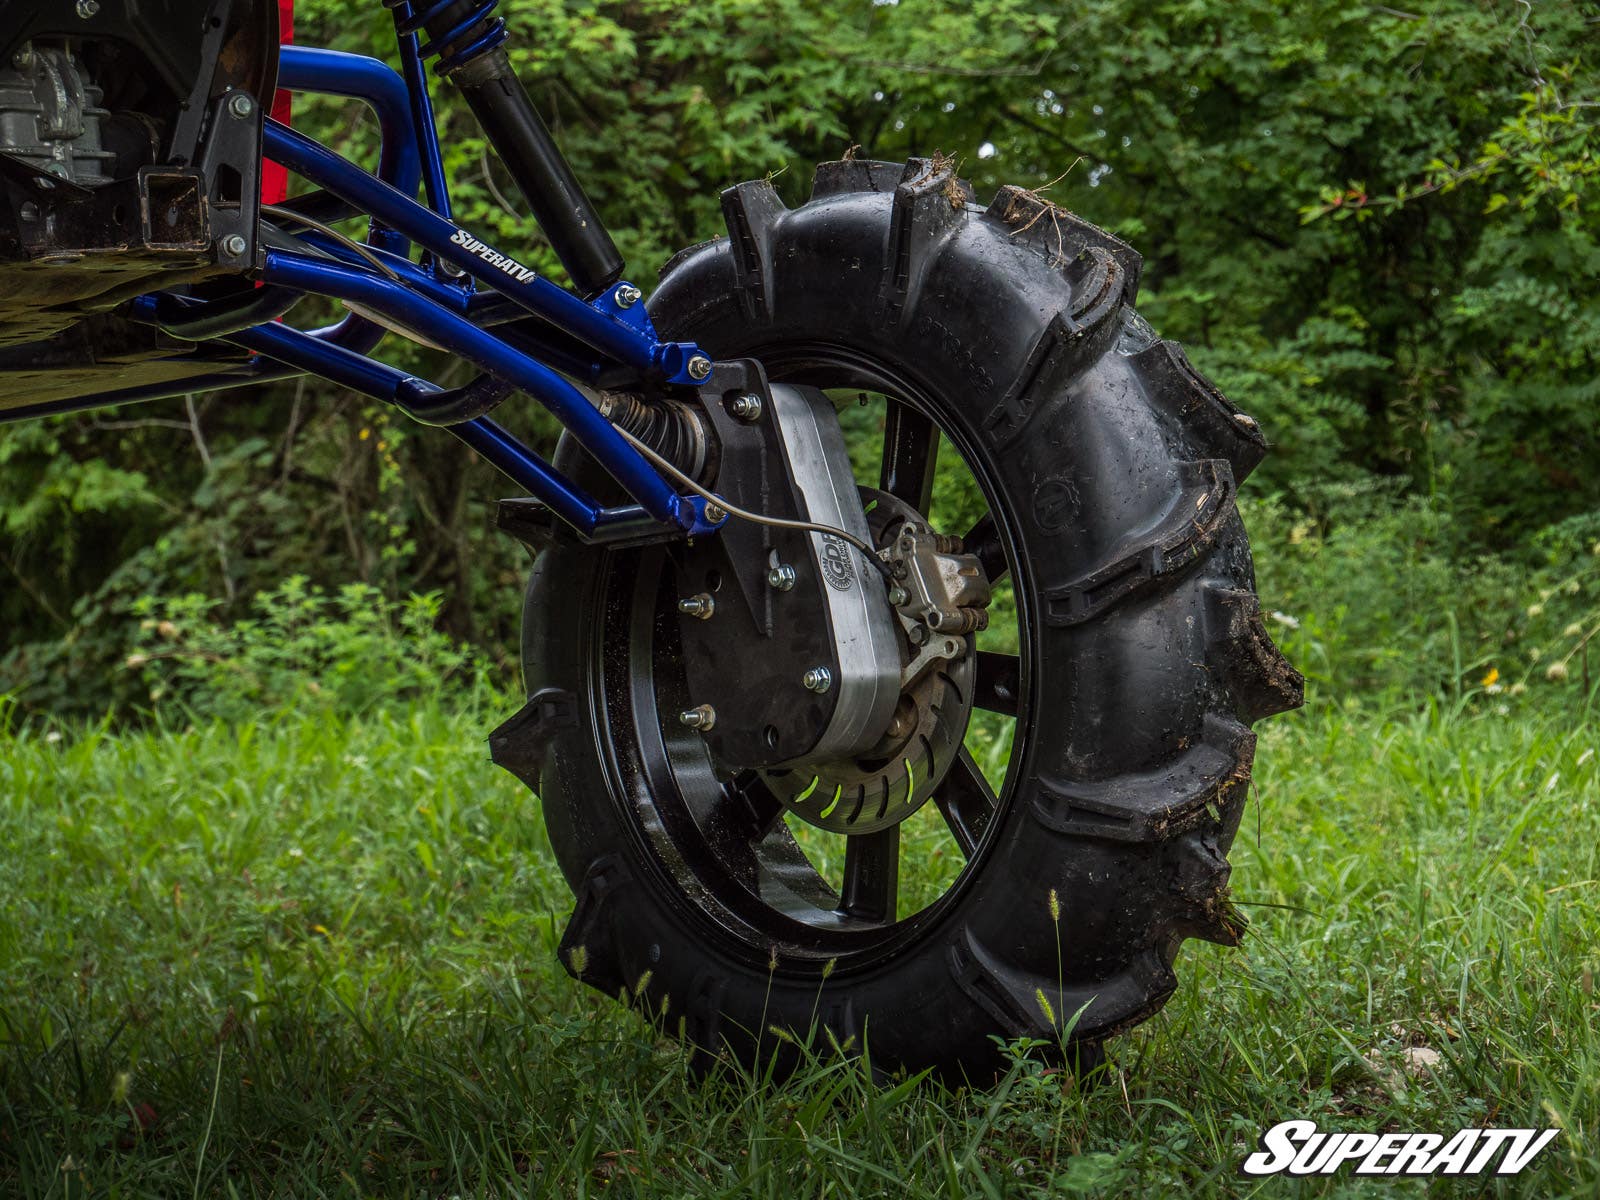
[(808, 666), (862, 626), (453, 297)]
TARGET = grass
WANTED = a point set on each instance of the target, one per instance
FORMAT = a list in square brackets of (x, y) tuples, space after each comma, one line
[(313, 957)]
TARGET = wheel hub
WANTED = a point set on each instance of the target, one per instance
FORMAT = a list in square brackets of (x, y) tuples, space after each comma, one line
[(899, 774)]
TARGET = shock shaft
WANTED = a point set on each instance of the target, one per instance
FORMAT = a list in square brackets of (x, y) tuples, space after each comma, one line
[(468, 41)]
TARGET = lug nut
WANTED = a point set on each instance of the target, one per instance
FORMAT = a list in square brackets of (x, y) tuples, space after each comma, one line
[(627, 295), (240, 105), (817, 679), (746, 407), (234, 245), (699, 367), (781, 577), (702, 717), (700, 607)]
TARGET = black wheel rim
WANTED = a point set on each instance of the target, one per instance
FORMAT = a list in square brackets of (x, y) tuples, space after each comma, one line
[(723, 843)]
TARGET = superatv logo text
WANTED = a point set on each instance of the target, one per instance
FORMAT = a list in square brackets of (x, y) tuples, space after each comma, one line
[(1299, 1148), (492, 256)]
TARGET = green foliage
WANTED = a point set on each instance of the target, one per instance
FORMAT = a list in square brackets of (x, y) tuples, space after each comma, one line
[(1431, 324), (1369, 594), (314, 955), (349, 652)]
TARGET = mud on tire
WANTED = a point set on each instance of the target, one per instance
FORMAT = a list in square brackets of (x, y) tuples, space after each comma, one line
[(1112, 466)]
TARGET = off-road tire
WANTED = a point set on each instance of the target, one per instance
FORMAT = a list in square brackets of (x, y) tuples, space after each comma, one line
[(1115, 466)]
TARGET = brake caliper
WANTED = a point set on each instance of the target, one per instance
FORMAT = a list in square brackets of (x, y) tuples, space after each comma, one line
[(940, 594)]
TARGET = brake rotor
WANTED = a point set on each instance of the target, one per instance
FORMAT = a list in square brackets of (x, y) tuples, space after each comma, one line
[(898, 775)]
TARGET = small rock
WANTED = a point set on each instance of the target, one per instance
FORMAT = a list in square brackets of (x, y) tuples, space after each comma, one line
[(1420, 1060)]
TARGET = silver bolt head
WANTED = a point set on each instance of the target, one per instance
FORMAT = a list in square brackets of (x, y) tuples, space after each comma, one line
[(898, 595), (746, 407), (781, 577), (701, 606), (818, 679), (240, 105), (627, 295), (702, 717), (699, 367), (88, 8), (234, 245), (715, 513)]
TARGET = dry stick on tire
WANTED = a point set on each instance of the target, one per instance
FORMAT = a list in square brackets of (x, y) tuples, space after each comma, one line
[(1109, 467)]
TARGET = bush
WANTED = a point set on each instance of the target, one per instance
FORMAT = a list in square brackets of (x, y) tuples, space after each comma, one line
[(1370, 591), (349, 650)]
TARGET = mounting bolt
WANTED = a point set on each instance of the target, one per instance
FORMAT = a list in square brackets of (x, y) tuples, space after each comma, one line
[(88, 8), (715, 514), (817, 679), (746, 407), (702, 717), (234, 245), (699, 367), (240, 105), (898, 595), (700, 607), (627, 295), (781, 577)]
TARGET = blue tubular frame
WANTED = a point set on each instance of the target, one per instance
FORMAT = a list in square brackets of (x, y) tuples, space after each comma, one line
[(459, 336), (491, 441), (420, 303), (441, 305), (334, 73), (416, 81), (624, 335)]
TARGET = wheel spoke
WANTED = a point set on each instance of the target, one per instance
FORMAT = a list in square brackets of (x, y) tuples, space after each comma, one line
[(983, 539), (999, 682), (967, 802), (755, 808), (910, 448), (751, 837), (872, 875), (787, 880)]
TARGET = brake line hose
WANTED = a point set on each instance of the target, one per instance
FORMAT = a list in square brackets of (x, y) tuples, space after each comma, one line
[(743, 514)]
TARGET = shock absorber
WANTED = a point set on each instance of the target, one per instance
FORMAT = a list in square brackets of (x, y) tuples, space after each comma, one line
[(469, 42), (673, 429)]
